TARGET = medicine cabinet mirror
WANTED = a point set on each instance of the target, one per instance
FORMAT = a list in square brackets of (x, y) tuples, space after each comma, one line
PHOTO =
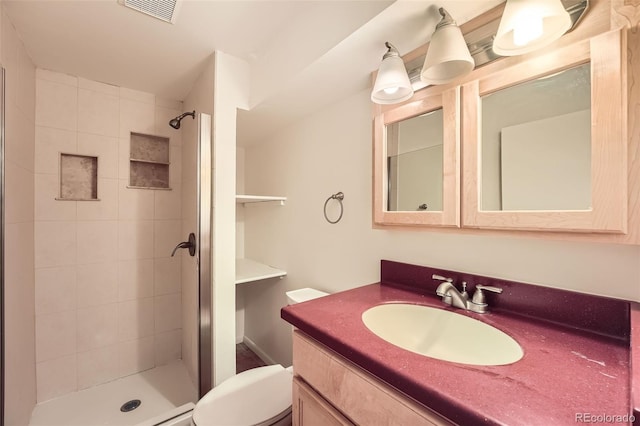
[(414, 163), (545, 142), (417, 160), (536, 144)]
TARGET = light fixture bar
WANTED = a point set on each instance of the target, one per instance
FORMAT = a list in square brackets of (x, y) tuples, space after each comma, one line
[(480, 41)]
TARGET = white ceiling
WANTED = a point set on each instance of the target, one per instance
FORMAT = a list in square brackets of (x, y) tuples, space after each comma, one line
[(303, 54)]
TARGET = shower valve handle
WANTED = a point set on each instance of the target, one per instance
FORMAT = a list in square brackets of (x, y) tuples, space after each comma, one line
[(190, 244)]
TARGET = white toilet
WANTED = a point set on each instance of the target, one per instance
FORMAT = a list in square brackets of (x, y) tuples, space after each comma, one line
[(256, 397)]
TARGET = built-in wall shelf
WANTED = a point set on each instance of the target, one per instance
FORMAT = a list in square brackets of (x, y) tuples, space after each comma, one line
[(245, 199), (248, 270)]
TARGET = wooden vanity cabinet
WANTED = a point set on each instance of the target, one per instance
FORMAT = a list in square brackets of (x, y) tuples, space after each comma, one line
[(330, 390), (310, 409)]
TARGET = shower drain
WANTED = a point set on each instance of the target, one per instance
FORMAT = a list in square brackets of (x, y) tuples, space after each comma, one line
[(130, 405)]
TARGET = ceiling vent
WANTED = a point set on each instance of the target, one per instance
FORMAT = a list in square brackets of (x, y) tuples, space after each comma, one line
[(165, 10)]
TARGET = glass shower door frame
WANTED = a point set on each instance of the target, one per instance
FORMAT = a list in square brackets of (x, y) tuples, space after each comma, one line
[(204, 183), (2, 233)]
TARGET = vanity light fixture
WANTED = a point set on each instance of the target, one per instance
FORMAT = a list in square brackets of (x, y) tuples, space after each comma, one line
[(448, 57), (392, 82), (527, 25)]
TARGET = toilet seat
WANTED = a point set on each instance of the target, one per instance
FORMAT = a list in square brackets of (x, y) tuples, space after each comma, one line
[(260, 396)]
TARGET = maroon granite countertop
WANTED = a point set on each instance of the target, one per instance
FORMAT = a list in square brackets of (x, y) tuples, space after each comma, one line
[(566, 374)]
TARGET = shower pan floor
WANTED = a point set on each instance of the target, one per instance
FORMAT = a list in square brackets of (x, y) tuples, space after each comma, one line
[(160, 390)]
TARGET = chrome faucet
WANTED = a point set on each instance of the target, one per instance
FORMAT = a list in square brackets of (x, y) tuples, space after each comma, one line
[(451, 296)]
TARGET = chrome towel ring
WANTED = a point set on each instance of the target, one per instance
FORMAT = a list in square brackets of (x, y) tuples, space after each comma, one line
[(337, 196)]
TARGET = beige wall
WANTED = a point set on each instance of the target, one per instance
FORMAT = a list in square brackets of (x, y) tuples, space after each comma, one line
[(107, 292), (331, 151), (231, 89), (19, 320)]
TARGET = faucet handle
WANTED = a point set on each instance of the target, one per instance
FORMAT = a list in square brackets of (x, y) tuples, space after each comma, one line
[(478, 296), (441, 278)]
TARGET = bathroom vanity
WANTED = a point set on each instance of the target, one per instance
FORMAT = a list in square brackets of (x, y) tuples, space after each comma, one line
[(576, 363)]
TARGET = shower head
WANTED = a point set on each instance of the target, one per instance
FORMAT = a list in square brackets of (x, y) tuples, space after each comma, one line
[(175, 123)]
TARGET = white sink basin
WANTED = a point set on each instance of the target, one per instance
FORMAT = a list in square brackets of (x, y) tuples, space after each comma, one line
[(441, 334)]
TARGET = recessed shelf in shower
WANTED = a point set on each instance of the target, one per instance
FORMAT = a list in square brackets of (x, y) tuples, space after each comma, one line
[(149, 161), (78, 177)]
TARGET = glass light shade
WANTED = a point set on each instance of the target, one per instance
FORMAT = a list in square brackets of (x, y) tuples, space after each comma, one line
[(448, 57), (527, 25), (392, 83)]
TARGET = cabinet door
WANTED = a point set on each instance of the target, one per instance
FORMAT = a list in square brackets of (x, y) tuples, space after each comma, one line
[(417, 160), (570, 176), (310, 409)]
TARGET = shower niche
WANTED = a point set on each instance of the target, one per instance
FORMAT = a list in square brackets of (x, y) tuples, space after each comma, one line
[(149, 162), (78, 178)]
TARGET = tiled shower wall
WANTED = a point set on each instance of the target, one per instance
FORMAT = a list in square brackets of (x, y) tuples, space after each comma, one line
[(20, 375), (107, 292)]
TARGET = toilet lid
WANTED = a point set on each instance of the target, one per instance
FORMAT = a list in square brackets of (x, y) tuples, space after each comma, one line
[(249, 398)]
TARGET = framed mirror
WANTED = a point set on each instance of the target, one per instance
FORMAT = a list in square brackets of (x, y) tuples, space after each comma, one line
[(416, 160), (545, 142)]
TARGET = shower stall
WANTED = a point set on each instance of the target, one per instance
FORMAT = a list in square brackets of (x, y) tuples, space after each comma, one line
[(120, 329)]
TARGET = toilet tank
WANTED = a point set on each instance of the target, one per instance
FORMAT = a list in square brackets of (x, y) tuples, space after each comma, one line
[(303, 294)]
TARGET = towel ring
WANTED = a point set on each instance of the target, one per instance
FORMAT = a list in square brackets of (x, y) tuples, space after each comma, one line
[(337, 196)]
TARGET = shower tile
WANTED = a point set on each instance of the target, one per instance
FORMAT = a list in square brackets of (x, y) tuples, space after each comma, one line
[(137, 95), (55, 289), (106, 207), (135, 239), (97, 242), (107, 89), (46, 207), (134, 204), (124, 148), (97, 284), (167, 234), (167, 275), (97, 327), (175, 168), (10, 43), (56, 377), (56, 105), (189, 207), (135, 319), (135, 279), (19, 137), (50, 143), (56, 77), (168, 347), (136, 117), (55, 244), (26, 87), (103, 147), (136, 355), (168, 312), (168, 204), (19, 283), (98, 113), (20, 203), (55, 335), (97, 366)]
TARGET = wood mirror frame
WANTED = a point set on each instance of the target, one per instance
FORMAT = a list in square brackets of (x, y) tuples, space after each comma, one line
[(608, 214), (424, 101)]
